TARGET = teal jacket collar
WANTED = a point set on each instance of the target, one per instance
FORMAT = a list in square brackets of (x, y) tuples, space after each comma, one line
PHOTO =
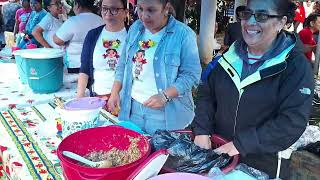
[(274, 62)]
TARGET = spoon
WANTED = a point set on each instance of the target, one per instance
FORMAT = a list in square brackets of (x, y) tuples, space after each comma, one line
[(99, 164)]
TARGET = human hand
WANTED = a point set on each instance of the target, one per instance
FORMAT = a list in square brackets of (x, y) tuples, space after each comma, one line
[(203, 141), (156, 101), (228, 148), (114, 102), (80, 94)]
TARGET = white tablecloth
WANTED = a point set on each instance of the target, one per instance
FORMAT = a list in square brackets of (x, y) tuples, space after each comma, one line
[(14, 94)]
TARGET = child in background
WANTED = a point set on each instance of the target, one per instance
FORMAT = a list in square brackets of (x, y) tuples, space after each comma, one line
[(49, 25), (36, 16)]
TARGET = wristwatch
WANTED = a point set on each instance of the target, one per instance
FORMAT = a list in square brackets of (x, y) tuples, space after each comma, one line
[(166, 96)]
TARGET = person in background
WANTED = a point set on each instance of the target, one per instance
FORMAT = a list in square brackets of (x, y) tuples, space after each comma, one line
[(9, 12), (158, 68), (316, 7), (172, 7), (36, 16), (49, 25), (299, 18), (216, 45), (22, 17), (259, 94), (103, 46), (311, 26), (233, 31), (66, 8), (73, 32), (308, 7)]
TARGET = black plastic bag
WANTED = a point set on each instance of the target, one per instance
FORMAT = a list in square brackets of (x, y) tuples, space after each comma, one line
[(185, 156), (313, 148)]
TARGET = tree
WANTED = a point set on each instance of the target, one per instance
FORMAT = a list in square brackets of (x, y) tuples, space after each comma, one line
[(179, 7)]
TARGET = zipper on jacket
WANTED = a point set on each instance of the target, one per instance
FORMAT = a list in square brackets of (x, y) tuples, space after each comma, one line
[(236, 115), (242, 90)]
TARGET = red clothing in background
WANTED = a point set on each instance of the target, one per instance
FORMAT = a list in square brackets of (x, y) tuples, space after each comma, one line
[(300, 14), (307, 38)]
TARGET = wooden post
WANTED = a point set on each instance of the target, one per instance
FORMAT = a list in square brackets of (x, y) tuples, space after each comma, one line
[(317, 58), (207, 23), (128, 15)]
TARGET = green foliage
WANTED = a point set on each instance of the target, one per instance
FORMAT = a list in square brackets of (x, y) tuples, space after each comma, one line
[(71, 3), (193, 12)]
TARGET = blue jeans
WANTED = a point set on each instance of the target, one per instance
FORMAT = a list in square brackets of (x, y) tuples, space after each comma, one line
[(148, 119)]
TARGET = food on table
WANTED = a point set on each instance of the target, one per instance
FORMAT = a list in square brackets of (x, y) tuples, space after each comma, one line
[(116, 157)]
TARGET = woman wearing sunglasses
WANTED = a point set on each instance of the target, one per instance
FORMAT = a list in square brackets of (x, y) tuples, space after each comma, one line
[(259, 94), (158, 68)]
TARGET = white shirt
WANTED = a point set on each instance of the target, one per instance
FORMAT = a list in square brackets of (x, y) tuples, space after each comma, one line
[(144, 84), (105, 59), (74, 31), (50, 25), (308, 9)]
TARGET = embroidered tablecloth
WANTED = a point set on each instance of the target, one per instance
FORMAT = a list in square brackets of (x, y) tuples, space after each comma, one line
[(26, 152), (14, 94)]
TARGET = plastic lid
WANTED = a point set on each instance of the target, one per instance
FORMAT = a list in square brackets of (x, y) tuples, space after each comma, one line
[(41, 53), (151, 166), (86, 103), (174, 176), (19, 52)]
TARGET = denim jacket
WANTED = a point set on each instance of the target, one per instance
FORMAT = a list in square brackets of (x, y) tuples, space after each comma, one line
[(176, 64)]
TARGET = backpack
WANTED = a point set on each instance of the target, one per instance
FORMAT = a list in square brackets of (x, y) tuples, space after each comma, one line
[(206, 72)]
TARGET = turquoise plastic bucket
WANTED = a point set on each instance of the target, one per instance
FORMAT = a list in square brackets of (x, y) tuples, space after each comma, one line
[(44, 69), (21, 66)]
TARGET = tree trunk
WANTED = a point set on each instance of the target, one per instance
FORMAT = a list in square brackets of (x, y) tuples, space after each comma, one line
[(180, 7), (207, 23)]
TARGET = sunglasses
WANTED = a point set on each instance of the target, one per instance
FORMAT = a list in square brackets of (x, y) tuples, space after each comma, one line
[(259, 16)]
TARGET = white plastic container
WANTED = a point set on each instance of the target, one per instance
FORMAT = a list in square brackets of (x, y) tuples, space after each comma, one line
[(80, 114)]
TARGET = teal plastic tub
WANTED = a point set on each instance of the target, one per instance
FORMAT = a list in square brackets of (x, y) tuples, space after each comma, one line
[(44, 69), (21, 66)]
